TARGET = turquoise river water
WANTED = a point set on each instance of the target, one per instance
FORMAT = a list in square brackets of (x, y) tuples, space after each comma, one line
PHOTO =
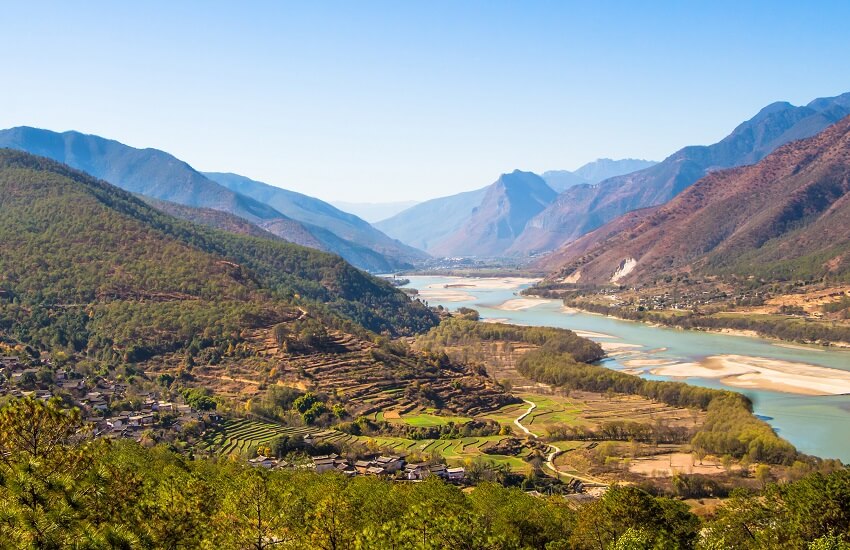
[(818, 425)]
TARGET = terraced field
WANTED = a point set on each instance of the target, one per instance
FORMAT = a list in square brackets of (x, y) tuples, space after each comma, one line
[(551, 411), (507, 414), (238, 436)]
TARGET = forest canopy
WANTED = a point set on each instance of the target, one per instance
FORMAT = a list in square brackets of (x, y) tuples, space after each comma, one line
[(60, 488)]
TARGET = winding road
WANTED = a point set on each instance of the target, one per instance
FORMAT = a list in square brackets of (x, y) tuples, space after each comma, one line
[(553, 449)]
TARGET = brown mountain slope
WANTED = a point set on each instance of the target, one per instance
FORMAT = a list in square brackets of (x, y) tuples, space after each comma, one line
[(583, 208), (787, 217)]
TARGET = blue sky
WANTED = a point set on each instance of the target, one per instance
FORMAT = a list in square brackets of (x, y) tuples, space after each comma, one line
[(383, 101)]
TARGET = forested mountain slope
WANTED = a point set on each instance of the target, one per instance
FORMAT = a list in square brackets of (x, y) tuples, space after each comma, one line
[(159, 175), (89, 266)]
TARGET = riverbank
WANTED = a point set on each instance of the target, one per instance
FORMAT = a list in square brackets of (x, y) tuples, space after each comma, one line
[(780, 330), (817, 425)]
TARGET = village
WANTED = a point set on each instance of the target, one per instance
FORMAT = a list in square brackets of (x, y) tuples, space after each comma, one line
[(102, 404), (395, 467)]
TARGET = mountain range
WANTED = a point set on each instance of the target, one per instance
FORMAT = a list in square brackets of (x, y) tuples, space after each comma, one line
[(583, 208), (344, 233), (485, 222), (784, 218), (159, 175), (594, 172), (90, 266)]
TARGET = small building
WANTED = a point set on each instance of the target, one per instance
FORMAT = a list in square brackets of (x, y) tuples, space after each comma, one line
[(390, 463), (324, 463), (416, 472), (115, 423), (263, 462), (455, 474), (437, 470), (375, 471), (72, 385), (345, 468)]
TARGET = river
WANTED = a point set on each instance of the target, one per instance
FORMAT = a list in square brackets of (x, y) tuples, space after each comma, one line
[(818, 425)]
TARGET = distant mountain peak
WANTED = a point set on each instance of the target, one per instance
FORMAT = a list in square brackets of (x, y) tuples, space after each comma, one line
[(160, 175), (786, 216), (774, 107), (581, 209)]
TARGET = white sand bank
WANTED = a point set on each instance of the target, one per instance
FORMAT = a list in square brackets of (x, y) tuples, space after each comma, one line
[(519, 304), (764, 374)]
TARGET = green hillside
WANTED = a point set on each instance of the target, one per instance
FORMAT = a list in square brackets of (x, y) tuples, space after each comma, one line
[(87, 265)]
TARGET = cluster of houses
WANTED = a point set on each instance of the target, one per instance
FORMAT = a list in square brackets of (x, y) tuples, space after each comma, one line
[(96, 398), (128, 424), (383, 466), (393, 466)]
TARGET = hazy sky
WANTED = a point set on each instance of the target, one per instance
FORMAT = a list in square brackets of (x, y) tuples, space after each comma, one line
[(382, 101)]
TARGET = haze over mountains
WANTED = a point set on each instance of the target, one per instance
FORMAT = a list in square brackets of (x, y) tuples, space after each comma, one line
[(161, 176), (784, 218), (339, 230), (594, 172), (583, 208), (374, 211), (520, 215), (500, 216), (485, 221)]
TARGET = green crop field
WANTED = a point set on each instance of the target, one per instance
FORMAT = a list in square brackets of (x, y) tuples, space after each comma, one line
[(428, 420)]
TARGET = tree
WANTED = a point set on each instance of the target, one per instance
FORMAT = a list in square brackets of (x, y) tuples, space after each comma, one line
[(45, 455), (176, 510), (258, 512), (667, 523)]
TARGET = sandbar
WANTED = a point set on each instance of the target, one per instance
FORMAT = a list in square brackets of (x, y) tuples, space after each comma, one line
[(649, 362), (619, 346), (519, 304), (445, 295), (495, 283), (590, 334), (496, 320), (762, 373)]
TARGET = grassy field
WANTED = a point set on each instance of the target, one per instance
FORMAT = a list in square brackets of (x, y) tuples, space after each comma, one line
[(425, 419)]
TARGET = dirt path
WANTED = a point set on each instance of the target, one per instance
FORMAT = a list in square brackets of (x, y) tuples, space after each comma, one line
[(554, 450)]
